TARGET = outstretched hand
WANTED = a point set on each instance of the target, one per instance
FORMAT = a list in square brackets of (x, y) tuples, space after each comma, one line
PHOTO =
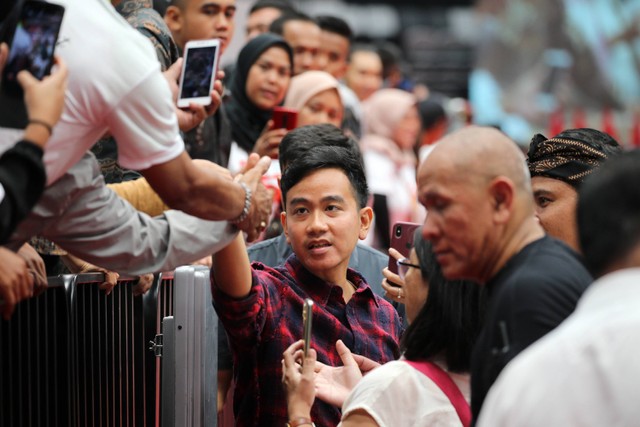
[(334, 383), (261, 199)]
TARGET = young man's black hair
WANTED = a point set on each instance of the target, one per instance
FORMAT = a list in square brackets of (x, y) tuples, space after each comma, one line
[(277, 26), (333, 24), (296, 143), (324, 157), (282, 5)]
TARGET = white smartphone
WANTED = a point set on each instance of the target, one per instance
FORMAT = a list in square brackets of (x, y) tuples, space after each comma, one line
[(199, 70)]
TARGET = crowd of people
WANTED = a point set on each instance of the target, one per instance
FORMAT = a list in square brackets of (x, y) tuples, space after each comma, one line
[(493, 318)]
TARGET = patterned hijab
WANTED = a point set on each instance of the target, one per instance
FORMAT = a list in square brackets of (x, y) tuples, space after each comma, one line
[(247, 120), (571, 155)]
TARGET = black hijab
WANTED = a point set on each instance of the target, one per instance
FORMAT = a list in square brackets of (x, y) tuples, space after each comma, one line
[(247, 120)]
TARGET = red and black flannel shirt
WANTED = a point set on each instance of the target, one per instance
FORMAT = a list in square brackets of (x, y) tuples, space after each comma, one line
[(262, 325)]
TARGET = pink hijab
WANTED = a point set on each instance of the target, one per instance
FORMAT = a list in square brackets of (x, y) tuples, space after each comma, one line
[(305, 86), (382, 112)]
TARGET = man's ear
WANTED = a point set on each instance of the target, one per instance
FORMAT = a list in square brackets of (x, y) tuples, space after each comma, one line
[(283, 221), (366, 218), (502, 195), (173, 19)]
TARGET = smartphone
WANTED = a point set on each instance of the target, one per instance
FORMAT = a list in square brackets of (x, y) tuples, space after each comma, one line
[(284, 118), (402, 241), (199, 70), (32, 43), (307, 316)]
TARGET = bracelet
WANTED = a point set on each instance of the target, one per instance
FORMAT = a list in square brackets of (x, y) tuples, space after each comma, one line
[(300, 422), (42, 123), (247, 205)]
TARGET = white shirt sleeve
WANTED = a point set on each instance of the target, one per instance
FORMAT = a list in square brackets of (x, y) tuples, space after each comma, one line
[(145, 125)]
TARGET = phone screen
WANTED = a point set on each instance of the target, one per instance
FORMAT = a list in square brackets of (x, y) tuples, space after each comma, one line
[(33, 42), (198, 72)]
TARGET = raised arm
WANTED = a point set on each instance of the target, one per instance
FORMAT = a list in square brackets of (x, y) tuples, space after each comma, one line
[(232, 269)]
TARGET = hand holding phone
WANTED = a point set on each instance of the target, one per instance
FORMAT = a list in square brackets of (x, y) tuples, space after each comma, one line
[(284, 118), (199, 70), (402, 241), (307, 315), (32, 44)]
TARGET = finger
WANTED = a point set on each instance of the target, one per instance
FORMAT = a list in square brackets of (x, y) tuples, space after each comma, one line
[(60, 71), (26, 79), (4, 54), (267, 127), (395, 254), (220, 75), (263, 164), (345, 354), (217, 87), (173, 72), (309, 363)]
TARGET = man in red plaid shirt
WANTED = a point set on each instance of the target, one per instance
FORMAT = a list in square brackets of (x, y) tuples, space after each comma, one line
[(325, 195)]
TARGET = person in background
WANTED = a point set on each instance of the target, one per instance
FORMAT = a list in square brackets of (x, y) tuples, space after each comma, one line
[(445, 319), (482, 225), (262, 77), (335, 43), (198, 20), (303, 35), (364, 73), (584, 372), (435, 124), (391, 129), (263, 13), (558, 167), (315, 96), (325, 196)]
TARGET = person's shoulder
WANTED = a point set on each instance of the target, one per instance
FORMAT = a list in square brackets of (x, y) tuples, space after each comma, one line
[(550, 261), (368, 254)]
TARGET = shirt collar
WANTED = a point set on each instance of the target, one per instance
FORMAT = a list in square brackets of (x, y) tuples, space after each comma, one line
[(320, 290)]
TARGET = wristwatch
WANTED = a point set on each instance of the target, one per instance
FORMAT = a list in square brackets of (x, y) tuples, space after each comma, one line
[(300, 422)]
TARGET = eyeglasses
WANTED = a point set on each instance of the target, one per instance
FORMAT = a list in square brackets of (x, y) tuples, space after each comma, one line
[(403, 267)]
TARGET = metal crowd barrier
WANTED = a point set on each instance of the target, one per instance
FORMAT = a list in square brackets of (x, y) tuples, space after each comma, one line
[(75, 357)]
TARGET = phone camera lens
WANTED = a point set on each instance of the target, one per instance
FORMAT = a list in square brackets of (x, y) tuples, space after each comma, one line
[(398, 231)]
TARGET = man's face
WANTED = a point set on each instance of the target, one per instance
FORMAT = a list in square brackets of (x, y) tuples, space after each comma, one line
[(556, 208), (260, 20), (304, 39), (323, 222), (459, 218), (202, 19), (333, 53), (364, 74)]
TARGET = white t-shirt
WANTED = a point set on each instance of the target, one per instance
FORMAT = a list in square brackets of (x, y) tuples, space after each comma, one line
[(397, 394), (582, 374), (114, 85)]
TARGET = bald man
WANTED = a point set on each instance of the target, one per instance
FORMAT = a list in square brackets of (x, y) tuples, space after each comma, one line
[(481, 222)]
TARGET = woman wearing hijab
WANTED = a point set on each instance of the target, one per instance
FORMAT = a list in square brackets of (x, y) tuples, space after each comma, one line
[(391, 129), (314, 95), (259, 84)]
